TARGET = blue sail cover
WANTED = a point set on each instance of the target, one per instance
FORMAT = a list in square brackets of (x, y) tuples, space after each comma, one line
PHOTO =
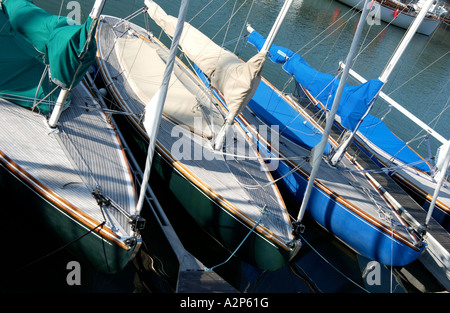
[(379, 134), (355, 100), (277, 54)]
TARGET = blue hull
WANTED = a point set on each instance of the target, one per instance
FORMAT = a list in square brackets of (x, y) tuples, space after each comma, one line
[(341, 220), (362, 236)]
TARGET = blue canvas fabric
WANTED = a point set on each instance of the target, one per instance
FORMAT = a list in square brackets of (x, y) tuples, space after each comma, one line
[(354, 103), (277, 54), (379, 134), (355, 100)]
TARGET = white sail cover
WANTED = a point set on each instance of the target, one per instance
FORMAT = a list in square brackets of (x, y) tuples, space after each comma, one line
[(236, 80)]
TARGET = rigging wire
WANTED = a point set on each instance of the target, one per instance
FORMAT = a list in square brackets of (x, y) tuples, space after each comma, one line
[(332, 266), (420, 72), (63, 246), (327, 30), (229, 23), (244, 25), (263, 211)]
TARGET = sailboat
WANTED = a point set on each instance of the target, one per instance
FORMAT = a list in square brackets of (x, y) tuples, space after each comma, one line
[(403, 14), (227, 191), (352, 115), (417, 175), (60, 157), (413, 172), (346, 199)]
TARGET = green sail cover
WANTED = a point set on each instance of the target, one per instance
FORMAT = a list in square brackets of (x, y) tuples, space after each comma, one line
[(31, 39)]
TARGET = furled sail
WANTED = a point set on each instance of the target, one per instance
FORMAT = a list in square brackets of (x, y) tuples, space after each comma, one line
[(36, 39), (236, 80), (355, 100), (353, 105)]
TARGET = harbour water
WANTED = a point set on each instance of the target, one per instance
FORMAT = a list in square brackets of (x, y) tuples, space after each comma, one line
[(320, 30)]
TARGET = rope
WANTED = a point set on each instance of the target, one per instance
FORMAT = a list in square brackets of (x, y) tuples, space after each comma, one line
[(390, 168), (247, 157), (242, 242), (22, 98), (308, 281), (62, 247), (334, 267), (131, 16)]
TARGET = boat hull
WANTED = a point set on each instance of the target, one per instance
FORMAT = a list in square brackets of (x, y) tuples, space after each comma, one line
[(342, 220), (208, 213), (441, 213), (347, 225), (253, 225), (84, 241), (413, 181), (402, 20)]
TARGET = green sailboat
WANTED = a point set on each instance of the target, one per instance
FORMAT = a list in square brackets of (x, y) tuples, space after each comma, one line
[(229, 192), (60, 157)]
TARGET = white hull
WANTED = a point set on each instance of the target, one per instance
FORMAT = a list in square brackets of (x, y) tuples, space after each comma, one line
[(403, 20)]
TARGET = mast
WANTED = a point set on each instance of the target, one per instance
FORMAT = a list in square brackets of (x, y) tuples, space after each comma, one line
[(218, 142), (317, 151), (276, 26), (442, 166), (65, 92), (154, 109), (385, 75), (406, 40)]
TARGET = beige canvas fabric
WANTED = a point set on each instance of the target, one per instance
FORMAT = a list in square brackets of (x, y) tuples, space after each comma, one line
[(144, 65), (236, 80)]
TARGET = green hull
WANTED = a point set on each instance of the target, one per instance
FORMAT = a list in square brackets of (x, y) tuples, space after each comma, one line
[(229, 231), (87, 244)]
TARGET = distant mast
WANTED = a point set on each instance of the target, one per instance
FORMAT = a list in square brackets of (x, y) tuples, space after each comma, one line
[(385, 75)]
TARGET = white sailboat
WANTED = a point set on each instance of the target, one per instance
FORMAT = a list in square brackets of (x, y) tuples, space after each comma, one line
[(225, 191), (402, 14)]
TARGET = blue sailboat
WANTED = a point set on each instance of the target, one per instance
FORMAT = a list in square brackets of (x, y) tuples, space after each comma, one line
[(345, 199), (417, 175)]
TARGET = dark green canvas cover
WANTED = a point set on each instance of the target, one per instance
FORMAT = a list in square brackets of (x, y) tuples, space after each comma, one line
[(31, 39)]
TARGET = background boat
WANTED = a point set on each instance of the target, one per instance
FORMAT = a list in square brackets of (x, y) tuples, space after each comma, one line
[(400, 14)]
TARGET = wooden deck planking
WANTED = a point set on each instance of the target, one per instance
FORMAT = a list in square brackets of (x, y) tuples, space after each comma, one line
[(65, 162), (215, 174)]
